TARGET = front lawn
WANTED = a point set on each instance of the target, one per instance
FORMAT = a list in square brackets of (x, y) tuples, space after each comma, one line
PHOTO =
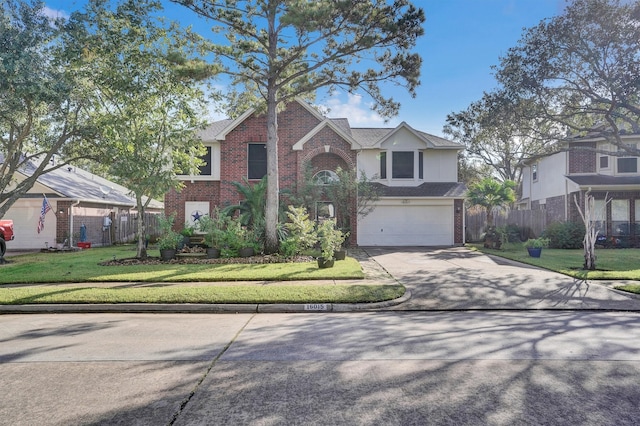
[(253, 294), (84, 266), (611, 264), (39, 278)]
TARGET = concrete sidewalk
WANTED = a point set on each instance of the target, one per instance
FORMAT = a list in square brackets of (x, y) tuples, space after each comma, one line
[(437, 279)]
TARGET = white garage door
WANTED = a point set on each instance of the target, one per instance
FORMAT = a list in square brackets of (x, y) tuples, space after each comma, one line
[(407, 225)]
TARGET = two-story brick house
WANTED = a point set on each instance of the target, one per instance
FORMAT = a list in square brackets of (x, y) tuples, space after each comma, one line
[(553, 182), (422, 202)]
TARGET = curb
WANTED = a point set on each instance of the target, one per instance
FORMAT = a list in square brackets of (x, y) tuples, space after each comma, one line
[(196, 308)]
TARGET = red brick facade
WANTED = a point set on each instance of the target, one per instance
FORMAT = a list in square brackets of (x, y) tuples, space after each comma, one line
[(327, 149), (196, 191), (293, 124), (582, 158), (458, 226)]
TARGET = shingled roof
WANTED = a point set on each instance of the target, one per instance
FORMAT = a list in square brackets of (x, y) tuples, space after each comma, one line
[(78, 184), (427, 189), (604, 180)]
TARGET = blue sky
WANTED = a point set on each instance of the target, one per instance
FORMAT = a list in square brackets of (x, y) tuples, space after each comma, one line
[(463, 39)]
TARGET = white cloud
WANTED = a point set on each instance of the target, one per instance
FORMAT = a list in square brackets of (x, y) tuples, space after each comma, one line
[(54, 13), (354, 109)]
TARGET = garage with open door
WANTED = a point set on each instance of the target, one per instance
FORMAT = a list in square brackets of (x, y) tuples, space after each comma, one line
[(408, 222)]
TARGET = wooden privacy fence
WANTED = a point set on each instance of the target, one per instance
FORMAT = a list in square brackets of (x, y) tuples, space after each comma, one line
[(531, 222), (125, 227)]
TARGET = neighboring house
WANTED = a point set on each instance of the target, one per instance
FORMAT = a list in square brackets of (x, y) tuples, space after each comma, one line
[(422, 202), (77, 198), (553, 182)]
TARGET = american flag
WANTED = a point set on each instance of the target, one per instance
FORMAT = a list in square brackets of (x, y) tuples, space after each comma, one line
[(43, 212)]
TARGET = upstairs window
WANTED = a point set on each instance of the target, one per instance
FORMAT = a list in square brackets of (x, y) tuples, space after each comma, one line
[(402, 165), (534, 172), (627, 164), (205, 169), (383, 165), (603, 159), (257, 161), (420, 165)]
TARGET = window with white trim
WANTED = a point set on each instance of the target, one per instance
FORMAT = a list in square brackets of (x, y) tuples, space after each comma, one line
[(402, 165), (627, 163), (603, 159), (325, 177)]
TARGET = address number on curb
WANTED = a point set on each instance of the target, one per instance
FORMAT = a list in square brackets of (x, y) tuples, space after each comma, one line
[(316, 307)]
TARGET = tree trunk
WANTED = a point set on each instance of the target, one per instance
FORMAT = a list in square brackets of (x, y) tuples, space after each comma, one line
[(589, 241), (273, 190), (490, 219), (141, 252)]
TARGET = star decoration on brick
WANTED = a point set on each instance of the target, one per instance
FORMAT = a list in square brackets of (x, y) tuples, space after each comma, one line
[(196, 215)]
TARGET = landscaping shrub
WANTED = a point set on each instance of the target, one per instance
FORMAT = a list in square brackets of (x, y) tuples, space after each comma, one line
[(565, 235), (510, 232), (302, 234)]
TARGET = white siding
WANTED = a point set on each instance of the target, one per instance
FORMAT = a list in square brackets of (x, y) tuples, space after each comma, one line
[(551, 181), (440, 165)]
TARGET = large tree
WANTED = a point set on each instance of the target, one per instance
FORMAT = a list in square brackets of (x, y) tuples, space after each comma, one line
[(281, 49), (501, 133), (583, 67), (148, 102), (43, 116)]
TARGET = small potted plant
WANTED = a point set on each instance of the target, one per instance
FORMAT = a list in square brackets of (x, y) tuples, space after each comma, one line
[(168, 244), (250, 242), (535, 245), (331, 240), (213, 229), (341, 253), (169, 240)]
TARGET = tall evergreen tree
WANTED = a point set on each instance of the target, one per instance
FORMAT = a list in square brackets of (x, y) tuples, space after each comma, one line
[(281, 49)]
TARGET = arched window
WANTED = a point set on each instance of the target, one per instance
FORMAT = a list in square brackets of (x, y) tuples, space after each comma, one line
[(325, 177)]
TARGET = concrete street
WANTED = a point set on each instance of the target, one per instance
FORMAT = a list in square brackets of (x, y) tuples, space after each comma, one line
[(499, 368), (544, 350)]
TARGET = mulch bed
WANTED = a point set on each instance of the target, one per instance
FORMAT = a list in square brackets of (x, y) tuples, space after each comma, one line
[(256, 260)]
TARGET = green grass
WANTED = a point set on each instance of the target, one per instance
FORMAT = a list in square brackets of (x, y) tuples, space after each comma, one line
[(201, 294), (83, 266), (611, 264), (37, 278)]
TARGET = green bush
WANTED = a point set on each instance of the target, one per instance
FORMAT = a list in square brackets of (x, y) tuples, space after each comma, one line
[(301, 232), (511, 233), (565, 235)]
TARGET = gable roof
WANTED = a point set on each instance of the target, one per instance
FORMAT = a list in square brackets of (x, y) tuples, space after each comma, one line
[(374, 137), (78, 184), (358, 138), (336, 126), (218, 130)]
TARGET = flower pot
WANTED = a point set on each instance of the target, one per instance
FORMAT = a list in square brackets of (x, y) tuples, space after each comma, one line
[(167, 254), (246, 252), (534, 252), (340, 254), (213, 253), (325, 263)]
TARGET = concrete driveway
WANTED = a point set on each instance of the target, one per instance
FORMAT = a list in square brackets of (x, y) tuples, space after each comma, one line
[(458, 278)]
